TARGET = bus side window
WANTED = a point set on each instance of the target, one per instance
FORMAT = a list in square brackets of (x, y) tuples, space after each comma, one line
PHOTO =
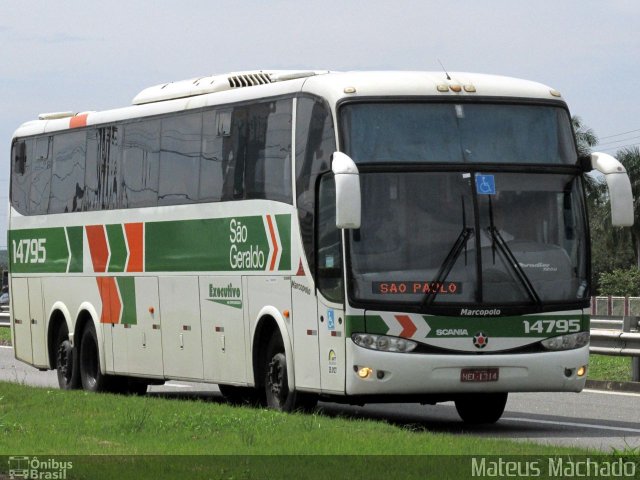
[(216, 169), (21, 175), (180, 159), (67, 181), (41, 176), (140, 164)]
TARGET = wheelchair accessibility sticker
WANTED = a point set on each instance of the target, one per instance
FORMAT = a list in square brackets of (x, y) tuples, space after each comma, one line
[(485, 184)]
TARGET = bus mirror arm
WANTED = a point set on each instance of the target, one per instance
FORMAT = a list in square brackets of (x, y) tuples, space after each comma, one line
[(619, 186), (348, 201)]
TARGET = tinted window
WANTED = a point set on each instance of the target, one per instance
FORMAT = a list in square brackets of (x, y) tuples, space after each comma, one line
[(180, 159), (457, 133), (260, 145), (103, 158), (268, 161), (140, 164), (217, 166), (21, 175), (67, 181), (41, 176)]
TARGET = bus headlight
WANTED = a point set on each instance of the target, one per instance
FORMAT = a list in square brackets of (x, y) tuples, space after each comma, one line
[(383, 342), (566, 342)]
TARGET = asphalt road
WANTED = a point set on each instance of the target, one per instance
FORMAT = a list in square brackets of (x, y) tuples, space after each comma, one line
[(592, 419)]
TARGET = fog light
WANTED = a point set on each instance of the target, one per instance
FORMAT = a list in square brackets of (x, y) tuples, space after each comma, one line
[(582, 371), (364, 372)]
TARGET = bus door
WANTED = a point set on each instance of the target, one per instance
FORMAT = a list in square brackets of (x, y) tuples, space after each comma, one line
[(28, 318), (305, 330), (21, 319), (330, 278)]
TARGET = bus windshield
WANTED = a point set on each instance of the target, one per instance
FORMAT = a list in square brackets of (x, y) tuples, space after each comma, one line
[(445, 238), (422, 132)]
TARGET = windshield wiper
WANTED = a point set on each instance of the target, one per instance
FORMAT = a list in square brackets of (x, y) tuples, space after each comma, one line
[(458, 246), (499, 241)]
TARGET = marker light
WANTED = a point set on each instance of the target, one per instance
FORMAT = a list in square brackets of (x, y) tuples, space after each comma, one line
[(364, 372), (456, 88), (582, 371), (566, 342), (383, 342), (350, 90)]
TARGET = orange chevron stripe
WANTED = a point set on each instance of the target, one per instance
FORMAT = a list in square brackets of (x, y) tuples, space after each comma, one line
[(135, 240), (111, 305), (408, 327), (274, 242), (98, 247)]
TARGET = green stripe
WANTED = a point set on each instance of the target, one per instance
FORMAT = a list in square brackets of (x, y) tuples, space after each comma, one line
[(75, 244), (284, 229), (375, 324), (127, 288), (496, 326), (38, 250), (222, 244), (117, 247), (354, 324)]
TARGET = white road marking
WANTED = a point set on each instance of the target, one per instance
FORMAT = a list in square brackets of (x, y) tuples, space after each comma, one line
[(6, 346), (572, 424)]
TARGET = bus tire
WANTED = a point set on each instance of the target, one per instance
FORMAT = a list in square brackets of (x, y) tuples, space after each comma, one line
[(481, 408), (66, 362), (93, 380), (276, 379)]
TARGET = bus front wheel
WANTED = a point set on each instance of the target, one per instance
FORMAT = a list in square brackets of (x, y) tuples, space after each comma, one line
[(481, 408), (276, 381)]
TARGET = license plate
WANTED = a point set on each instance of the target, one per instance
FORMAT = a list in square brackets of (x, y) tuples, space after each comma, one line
[(479, 375)]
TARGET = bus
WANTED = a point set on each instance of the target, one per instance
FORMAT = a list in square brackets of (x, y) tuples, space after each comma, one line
[(295, 236)]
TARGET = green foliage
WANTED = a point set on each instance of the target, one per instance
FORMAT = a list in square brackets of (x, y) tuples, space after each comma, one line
[(621, 282), (5, 336), (609, 368)]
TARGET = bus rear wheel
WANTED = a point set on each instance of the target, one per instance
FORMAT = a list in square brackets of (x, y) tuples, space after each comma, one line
[(93, 380), (481, 408), (66, 363), (276, 381)]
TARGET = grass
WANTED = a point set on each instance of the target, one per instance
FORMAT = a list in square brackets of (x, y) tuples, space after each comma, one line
[(5, 336), (610, 368), (113, 424), (234, 442)]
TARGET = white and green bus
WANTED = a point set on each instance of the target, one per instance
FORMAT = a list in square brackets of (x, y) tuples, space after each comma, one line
[(294, 236)]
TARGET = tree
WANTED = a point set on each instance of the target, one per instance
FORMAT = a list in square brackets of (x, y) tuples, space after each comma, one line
[(585, 137), (612, 248), (630, 158)]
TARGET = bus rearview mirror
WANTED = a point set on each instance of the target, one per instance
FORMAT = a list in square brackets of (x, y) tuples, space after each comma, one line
[(619, 186), (347, 177)]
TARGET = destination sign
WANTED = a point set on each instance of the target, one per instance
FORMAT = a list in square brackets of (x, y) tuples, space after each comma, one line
[(407, 287)]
